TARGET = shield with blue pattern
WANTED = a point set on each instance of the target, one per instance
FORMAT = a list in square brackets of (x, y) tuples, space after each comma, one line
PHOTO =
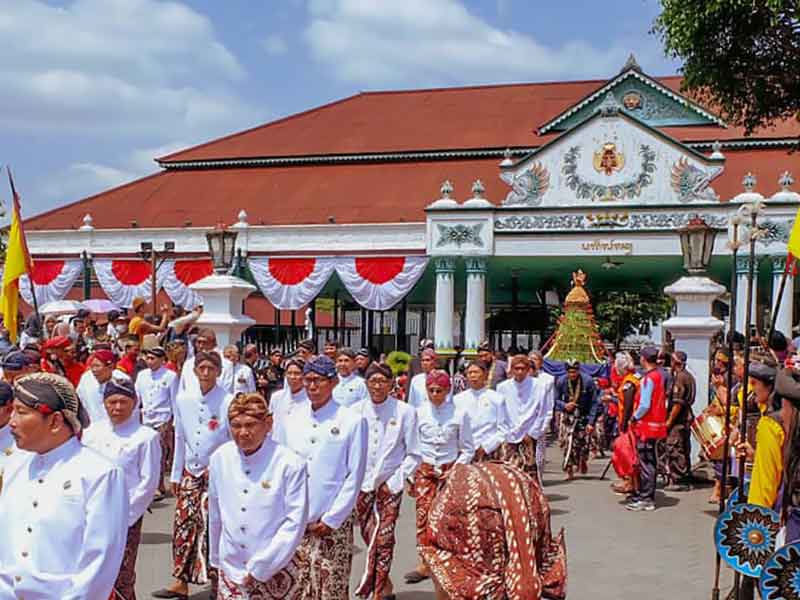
[(780, 576), (733, 498), (745, 537)]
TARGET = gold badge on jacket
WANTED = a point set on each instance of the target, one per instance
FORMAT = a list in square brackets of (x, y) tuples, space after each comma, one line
[(265, 485)]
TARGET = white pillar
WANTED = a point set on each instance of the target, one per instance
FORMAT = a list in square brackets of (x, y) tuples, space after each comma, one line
[(223, 297), (692, 328), (783, 320), (742, 266), (475, 326), (445, 295)]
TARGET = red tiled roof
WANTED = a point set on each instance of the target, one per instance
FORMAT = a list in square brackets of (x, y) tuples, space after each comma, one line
[(352, 193), (493, 116)]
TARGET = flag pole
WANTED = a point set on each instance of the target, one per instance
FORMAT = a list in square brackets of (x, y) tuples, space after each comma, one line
[(29, 265), (790, 260)]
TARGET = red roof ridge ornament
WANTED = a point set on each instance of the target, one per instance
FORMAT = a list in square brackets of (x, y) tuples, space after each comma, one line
[(507, 160), (716, 151), (785, 194), (631, 65)]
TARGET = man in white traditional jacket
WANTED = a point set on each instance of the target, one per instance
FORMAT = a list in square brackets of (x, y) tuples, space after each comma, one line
[(136, 450), (156, 388), (445, 438), (417, 392), (290, 398), (244, 381), (206, 342), (333, 440), (526, 401), (487, 413), (257, 506), (392, 458), (201, 426), (93, 383), (7, 444), (64, 514), (351, 388), (545, 418)]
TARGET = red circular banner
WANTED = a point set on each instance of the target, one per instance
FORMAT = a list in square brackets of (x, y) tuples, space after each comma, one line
[(131, 272), (46, 271), (189, 271), (380, 270), (291, 271)]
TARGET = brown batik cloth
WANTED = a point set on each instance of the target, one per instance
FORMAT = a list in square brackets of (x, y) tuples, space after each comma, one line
[(282, 585), (427, 481), (677, 448), (377, 514), (190, 533), (324, 565), (166, 434), (521, 455), (124, 586), (490, 538)]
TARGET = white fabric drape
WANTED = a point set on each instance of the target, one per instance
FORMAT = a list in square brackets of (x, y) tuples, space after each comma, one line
[(179, 275), (291, 283), (124, 280), (378, 283), (52, 280)]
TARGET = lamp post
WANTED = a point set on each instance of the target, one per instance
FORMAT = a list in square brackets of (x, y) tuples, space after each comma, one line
[(156, 258), (697, 245), (223, 293)]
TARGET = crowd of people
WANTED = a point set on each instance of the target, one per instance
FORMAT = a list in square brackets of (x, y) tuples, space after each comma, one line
[(275, 462)]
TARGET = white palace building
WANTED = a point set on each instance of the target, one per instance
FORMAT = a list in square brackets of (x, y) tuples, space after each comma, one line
[(454, 213)]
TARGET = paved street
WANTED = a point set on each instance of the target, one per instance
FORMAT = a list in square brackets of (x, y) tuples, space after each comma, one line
[(612, 554)]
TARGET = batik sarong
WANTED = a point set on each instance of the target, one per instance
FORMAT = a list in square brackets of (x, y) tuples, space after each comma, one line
[(190, 533), (523, 456), (427, 481), (166, 435), (678, 457), (324, 564), (377, 514), (124, 586), (282, 585), (576, 445), (490, 538)]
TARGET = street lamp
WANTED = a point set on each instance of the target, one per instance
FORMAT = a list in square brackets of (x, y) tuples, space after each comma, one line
[(221, 246), (697, 245), (149, 253)]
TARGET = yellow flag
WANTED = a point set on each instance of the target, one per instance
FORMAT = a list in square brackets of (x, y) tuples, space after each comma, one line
[(18, 262), (794, 237)]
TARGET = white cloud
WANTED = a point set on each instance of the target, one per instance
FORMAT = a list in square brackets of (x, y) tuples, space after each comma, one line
[(116, 67), (275, 45), (431, 42)]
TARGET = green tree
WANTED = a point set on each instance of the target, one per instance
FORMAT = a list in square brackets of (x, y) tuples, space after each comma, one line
[(620, 313), (741, 56)]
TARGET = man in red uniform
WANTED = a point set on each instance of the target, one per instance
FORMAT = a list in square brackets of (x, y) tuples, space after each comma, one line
[(649, 424)]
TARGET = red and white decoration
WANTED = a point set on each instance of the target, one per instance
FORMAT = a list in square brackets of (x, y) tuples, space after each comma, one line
[(124, 280), (52, 280), (378, 283), (179, 275), (291, 283)]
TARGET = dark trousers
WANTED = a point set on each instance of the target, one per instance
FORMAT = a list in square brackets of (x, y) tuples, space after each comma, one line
[(648, 463)]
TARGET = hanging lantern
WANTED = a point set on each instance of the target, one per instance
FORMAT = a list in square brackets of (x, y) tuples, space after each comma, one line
[(221, 246), (697, 245)]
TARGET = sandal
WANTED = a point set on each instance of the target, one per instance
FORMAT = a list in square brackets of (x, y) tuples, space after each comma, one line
[(413, 577)]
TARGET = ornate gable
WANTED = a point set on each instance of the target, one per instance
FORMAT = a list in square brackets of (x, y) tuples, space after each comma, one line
[(640, 96), (611, 158)]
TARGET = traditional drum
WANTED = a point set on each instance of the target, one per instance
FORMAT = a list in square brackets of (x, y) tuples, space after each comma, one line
[(709, 431)]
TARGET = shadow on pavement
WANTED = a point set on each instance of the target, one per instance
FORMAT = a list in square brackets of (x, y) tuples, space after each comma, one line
[(156, 538), (556, 497)]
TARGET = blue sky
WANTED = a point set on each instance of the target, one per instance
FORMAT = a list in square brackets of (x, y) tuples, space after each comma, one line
[(92, 90)]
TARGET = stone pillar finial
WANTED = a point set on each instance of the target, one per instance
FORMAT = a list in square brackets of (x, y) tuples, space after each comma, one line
[(716, 150), (507, 160), (241, 222), (87, 223), (749, 182), (446, 189), (786, 181), (478, 189)]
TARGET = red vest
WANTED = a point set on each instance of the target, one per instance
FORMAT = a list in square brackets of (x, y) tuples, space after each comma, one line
[(653, 426)]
